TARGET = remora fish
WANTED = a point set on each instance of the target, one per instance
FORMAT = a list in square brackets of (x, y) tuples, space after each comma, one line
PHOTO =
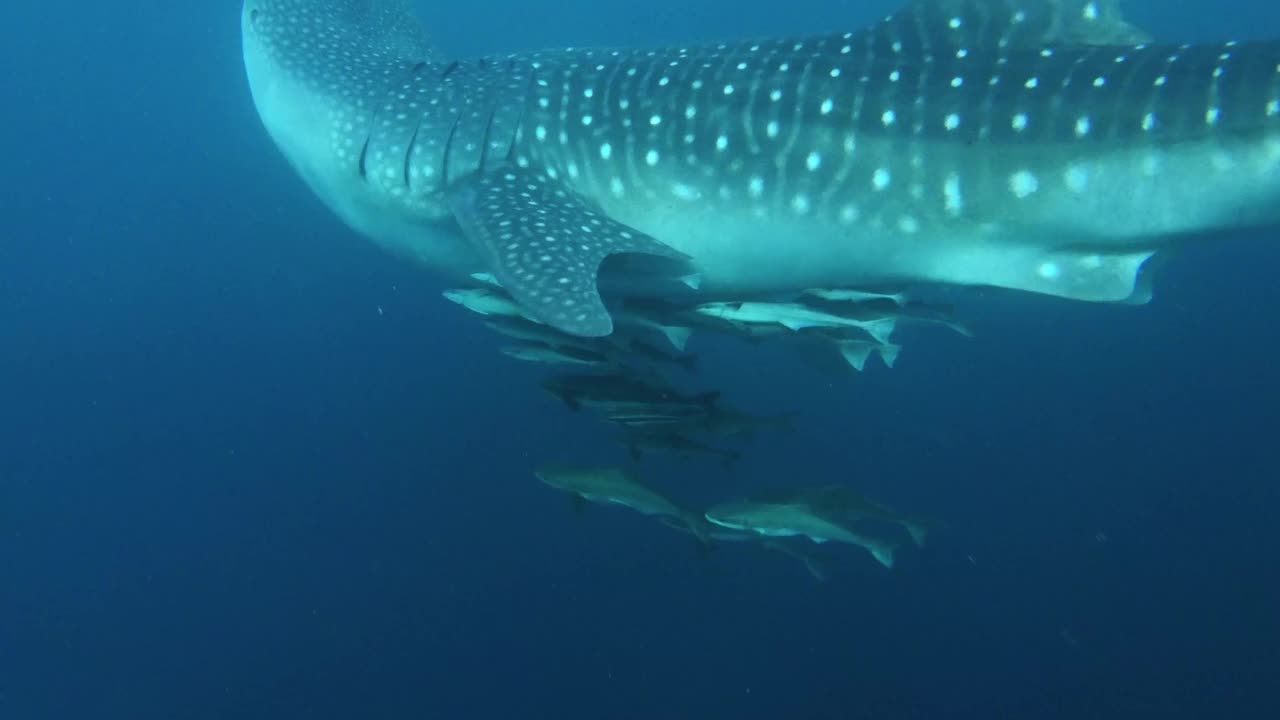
[(1040, 145), (886, 308), (629, 400), (729, 423), (487, 301), (791, 548), (845, 503), (662, 439), (616, 486), (551, 355), (788, 519), (524, 330), (794, 316), (848, 295)]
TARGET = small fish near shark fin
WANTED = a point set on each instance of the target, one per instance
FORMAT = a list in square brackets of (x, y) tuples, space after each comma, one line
[(925, 25), (545, 245)]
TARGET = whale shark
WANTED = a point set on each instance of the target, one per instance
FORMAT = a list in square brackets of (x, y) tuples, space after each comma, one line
[(1046, 146)]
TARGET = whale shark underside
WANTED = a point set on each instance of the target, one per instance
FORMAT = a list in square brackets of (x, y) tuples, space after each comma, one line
[(1039, 145)]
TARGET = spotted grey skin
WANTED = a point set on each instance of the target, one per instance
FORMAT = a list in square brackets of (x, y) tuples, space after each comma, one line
[(1041, 145)]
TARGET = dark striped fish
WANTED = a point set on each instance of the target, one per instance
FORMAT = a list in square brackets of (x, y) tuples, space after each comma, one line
[(1041, 145)]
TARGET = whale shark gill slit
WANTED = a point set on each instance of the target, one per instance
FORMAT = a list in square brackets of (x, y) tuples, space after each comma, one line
[(408, 157), (364, 159), (448, 150)]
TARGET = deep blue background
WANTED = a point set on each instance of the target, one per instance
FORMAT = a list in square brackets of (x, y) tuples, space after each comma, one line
[(229, 487)]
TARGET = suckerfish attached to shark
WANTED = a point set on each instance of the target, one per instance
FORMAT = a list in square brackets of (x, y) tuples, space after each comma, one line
[(794, 519), (617, 486), (1040, 145)]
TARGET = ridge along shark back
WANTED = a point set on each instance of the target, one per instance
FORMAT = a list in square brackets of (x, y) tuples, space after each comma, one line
[(1038, 145)]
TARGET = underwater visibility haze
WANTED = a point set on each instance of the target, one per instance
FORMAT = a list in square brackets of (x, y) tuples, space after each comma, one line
[(884, 359)]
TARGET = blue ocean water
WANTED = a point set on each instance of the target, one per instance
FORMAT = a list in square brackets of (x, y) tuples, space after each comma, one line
[(252, 467)]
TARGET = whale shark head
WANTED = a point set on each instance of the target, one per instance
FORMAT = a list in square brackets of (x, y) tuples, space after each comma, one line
[(314, 62), (320, 72)]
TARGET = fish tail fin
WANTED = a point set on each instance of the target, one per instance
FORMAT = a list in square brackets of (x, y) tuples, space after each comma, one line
[(693, 281), (889, 354), (856, 354), (918, 532), (676, 335), (884, 554), (881, 330)]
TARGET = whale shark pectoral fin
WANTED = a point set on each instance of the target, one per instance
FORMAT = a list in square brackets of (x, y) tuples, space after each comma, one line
[(545, 244)]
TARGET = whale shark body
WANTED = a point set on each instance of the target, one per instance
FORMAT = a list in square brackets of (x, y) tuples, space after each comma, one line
[(1038, 145)]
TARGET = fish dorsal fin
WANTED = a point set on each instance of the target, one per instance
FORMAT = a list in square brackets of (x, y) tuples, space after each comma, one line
[(944, 25)]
